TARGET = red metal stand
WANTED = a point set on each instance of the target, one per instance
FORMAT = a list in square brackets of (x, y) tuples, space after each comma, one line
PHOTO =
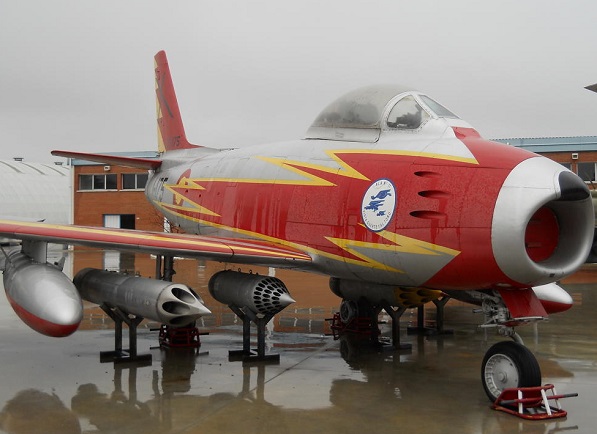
[(360, 325), (179, 337), (532, 402)]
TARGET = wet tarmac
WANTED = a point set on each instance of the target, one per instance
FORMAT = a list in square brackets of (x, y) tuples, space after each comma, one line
[(320, 384)]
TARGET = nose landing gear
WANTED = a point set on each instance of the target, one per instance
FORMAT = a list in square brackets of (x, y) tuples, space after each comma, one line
[(508, 365)]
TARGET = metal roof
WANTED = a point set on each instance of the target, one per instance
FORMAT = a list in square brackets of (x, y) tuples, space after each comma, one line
[(17, 166), (553, 144), (35, 191)]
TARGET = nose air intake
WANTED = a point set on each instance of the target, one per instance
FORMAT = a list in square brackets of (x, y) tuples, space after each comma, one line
[(542, 235), (543, 223)]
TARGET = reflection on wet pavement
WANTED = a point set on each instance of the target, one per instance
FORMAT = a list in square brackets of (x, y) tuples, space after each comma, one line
[(320, 385)]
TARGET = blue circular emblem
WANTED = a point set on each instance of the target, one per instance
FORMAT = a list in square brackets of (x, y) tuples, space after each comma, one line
[(379, 203)]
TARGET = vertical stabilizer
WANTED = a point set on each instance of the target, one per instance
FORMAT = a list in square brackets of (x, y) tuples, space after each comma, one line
[(171, 133)]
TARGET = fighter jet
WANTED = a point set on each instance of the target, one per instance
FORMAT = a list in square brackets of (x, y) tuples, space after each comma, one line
[(389, 193)]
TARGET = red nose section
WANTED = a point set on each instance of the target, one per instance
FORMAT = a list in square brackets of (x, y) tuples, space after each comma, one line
[(542, 234)]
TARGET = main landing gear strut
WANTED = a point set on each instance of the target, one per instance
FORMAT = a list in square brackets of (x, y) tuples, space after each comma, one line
[(363, 318)]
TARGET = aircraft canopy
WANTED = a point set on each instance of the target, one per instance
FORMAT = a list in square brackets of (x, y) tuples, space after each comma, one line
[(362, 114)]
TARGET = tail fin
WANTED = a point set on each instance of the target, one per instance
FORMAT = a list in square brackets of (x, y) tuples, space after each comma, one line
[(171, 133)]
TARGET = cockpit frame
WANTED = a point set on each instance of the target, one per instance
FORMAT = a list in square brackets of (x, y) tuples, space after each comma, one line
[(364, 114)]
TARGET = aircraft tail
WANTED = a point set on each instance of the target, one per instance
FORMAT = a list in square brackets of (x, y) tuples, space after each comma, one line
[(171, 133)]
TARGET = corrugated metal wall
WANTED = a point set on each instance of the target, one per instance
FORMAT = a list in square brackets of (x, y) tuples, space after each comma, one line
[(35, 191)]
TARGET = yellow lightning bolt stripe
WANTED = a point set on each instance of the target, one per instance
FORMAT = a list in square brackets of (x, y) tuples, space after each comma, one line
[(312, 180), (257, 235), (343, 169), (348, 244), (406, 153), (188, 184), (294, 166), (195, 208), (401, 244), (412, 245)]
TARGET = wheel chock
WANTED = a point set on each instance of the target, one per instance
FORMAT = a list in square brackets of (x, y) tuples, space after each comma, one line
[(532, 403)]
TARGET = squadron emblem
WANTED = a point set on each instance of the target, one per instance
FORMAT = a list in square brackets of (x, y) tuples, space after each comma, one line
[(378, 204)]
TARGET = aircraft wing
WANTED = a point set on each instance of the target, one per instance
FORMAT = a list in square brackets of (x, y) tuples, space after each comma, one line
[(184, 245)]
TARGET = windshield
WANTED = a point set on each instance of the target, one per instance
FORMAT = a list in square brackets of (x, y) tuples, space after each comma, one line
[(437, 108), (407, 114)]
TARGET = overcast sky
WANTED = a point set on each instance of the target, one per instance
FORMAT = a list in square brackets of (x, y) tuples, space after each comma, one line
[(78, 75)]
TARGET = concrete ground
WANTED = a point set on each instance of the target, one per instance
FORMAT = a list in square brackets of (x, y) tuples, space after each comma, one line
[(320, 384)]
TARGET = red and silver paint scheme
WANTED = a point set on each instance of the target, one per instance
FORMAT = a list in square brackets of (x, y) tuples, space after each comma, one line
[(389, 193), (40, 293), (457, 212)]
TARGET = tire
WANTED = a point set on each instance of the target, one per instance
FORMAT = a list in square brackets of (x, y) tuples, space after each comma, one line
[(507, 365), (349, 310)]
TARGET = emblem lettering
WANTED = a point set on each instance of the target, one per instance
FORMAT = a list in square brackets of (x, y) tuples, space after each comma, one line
[(379, 202)]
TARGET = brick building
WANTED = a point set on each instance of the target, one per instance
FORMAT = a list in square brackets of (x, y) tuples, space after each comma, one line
[(113, 196), (578, 154)]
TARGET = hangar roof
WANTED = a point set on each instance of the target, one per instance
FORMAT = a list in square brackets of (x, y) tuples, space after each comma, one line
[(35, 191), (14, 166), (554, 144)]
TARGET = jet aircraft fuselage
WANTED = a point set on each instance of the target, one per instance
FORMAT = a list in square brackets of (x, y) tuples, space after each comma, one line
[(431, 205)]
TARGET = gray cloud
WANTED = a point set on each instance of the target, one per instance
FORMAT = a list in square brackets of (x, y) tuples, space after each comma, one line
[(79, 75)]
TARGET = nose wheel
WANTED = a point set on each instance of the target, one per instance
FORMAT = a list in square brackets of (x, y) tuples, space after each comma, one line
[(508, 365)]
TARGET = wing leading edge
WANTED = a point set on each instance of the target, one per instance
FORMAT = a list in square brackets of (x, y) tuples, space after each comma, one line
[(184, 245)]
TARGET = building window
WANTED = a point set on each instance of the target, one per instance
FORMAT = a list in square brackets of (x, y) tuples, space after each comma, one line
[(586, 171), (134, 181), (567, 165), (123, 221), (118, 261), (98, 182)]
